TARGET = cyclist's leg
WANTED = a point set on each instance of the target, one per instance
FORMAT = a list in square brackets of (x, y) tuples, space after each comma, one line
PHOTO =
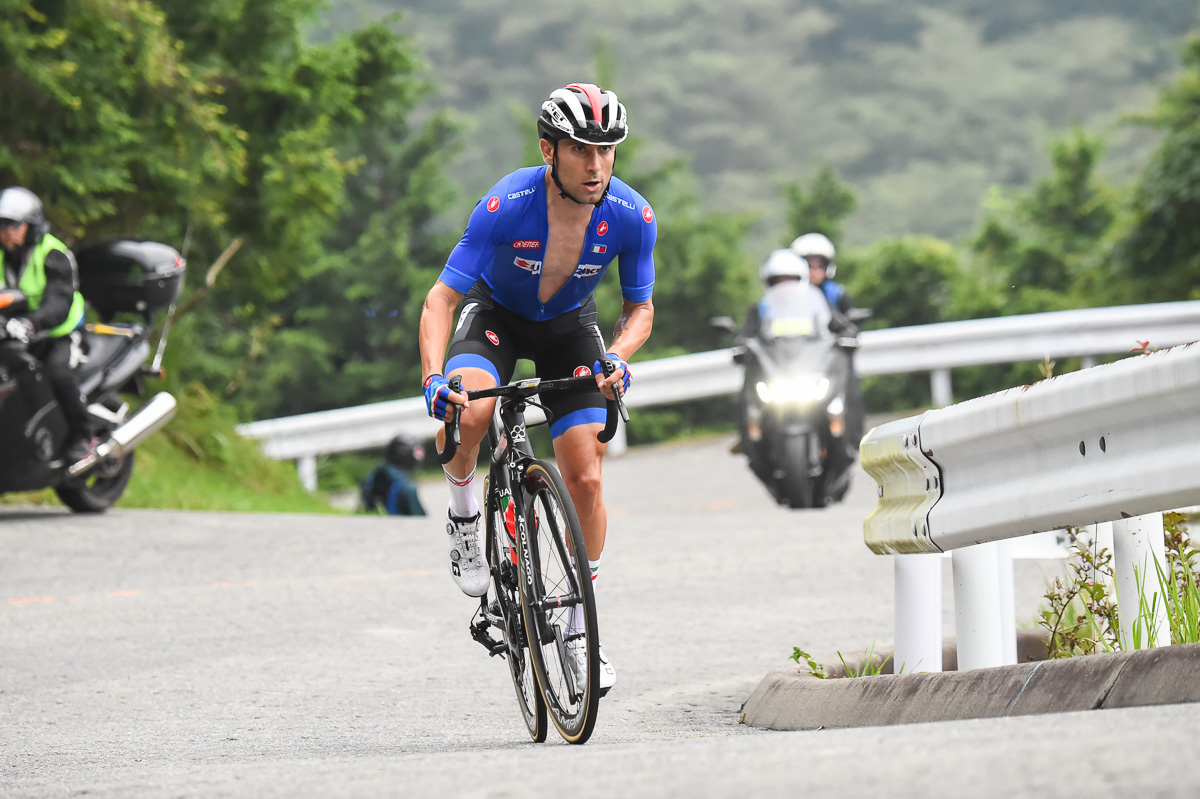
[(481, 363), (573, 344)]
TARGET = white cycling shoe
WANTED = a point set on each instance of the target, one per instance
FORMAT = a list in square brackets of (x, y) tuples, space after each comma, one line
[(467, 564), (577, 661)]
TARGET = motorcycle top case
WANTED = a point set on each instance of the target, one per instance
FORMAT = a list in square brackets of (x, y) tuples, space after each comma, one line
[(127, 276)]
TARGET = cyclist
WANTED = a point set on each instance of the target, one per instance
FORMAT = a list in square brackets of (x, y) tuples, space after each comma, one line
[(533, 252)]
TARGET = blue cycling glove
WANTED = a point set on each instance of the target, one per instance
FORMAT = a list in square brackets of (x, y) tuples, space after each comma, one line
[(598, 369), (437, 396)]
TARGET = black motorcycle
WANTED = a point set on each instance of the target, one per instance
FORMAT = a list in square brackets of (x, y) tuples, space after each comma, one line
[(799, 393), (120, 279)]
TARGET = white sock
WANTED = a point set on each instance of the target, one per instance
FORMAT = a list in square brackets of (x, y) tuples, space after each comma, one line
[(463, 504), (576, 620)]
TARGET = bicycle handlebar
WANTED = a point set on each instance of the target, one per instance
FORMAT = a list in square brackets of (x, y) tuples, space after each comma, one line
[(527, 388)]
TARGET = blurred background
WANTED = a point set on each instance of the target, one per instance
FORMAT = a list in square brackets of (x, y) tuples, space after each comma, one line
[(317, 161)]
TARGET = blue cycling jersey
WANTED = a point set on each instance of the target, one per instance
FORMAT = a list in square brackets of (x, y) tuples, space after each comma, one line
[(505, 244)]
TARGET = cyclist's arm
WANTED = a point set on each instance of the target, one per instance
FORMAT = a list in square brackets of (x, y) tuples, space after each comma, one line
[(632, 328), (437, 319)]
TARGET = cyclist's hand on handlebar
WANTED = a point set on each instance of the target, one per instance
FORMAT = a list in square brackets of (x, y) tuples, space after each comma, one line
[(438, 397), (620, 375)]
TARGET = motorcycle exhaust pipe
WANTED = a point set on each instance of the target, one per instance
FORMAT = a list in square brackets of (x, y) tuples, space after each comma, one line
[(149, 419)]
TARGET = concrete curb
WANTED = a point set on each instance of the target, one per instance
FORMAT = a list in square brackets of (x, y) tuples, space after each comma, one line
[(792, 699)]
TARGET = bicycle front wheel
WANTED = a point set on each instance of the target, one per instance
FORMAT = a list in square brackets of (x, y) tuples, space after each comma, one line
[(505, 600), (558, 604)]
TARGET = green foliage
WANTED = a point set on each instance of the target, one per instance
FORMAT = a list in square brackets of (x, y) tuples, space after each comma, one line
[(814, 668), (919, 106), (822, 209), (1081, 614), (1159, 252)]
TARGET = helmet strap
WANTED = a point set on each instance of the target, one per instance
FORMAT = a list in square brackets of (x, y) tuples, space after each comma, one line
[(563, 192)]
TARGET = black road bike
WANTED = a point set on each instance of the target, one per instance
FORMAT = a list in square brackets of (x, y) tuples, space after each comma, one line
[(538, 563)]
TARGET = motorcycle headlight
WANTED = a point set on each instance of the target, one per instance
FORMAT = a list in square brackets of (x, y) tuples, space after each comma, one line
[(797, 390), (837, 407)]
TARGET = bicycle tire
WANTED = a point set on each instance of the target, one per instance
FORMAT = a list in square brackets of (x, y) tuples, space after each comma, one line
[(505, 594), (548, 578)]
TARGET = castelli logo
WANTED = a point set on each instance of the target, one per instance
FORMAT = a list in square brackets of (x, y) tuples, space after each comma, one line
[(494, 203), (601, 228), (647, 214), (492, 337), (582, 371)]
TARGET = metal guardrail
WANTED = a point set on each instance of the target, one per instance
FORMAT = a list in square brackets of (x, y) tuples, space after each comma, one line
[(937, 347), (1098, 445)]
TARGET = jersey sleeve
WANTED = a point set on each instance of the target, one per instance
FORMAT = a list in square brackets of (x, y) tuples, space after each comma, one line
[(477, 247), (636, 260)]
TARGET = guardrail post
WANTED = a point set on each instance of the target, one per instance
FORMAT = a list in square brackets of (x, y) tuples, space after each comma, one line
[(306, 466), (1138, 555), (977, 606), (1008, 603), (941, 388), (918, 608)]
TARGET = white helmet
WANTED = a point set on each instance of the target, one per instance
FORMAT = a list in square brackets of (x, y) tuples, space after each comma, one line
[(783, 263), (816, 244)]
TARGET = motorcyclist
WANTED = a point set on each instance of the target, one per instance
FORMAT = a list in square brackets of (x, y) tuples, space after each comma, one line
[(42, 267), (818, 251)]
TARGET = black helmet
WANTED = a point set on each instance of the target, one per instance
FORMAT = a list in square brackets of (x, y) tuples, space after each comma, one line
[(585, 113), (404, 452), (22, 205)]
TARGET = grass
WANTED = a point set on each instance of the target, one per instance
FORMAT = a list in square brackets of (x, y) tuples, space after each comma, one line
[(1081, 614), (199, 462)]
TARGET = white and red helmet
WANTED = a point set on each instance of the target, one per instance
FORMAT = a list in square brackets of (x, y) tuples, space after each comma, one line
[(583, 112)]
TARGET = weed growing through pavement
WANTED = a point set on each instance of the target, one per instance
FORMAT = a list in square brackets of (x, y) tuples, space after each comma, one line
[(871, 666), (1082, 617)]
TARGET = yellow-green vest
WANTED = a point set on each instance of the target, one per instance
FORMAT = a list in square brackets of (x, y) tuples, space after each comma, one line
[(33, 283)]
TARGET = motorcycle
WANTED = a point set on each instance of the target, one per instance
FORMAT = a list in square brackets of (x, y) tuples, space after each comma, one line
[(798, 389), (118, 279)]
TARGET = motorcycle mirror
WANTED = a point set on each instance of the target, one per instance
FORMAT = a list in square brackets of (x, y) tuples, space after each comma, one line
[(859, 314), (724, 323)]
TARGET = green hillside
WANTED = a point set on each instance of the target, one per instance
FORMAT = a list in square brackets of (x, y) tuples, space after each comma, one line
[(919, 106)]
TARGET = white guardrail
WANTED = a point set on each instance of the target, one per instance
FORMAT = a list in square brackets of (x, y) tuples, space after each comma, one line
[(937, 348), (1118, 444)]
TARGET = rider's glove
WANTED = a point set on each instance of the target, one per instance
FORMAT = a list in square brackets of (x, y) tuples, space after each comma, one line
[(19, 328), (437, 396), (618, 363)]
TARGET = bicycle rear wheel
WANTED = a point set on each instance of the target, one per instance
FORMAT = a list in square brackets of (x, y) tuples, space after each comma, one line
[(505, 598), (555, 578)]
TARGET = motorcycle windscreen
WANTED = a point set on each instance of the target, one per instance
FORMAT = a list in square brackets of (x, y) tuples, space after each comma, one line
[(794, 309)]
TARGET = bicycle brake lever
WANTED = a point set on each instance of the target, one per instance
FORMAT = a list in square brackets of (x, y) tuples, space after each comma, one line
[(453, 436), (610, 367)]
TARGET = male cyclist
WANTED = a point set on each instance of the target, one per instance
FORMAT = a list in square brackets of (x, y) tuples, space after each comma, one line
[(533, 252)]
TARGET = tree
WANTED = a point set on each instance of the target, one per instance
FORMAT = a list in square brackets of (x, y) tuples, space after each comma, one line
[(1158, 253), (214, 122), (822, 209)]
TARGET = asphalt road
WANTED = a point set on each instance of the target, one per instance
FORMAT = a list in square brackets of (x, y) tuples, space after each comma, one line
[(148, 653)]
